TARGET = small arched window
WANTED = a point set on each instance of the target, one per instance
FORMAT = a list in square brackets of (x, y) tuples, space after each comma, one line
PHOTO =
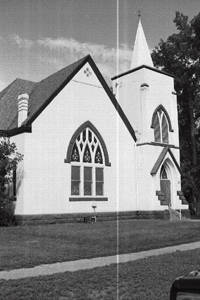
[(161, 125), (88, 157), (163, 173)]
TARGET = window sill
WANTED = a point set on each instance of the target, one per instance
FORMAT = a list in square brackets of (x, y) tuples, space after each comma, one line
[(73, 199)]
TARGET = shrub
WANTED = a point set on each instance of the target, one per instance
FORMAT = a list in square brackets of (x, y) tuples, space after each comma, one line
[(7, 209), (9, 158)]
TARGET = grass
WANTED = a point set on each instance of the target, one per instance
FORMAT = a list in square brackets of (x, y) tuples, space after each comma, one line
[(146, 279), (26, 246)]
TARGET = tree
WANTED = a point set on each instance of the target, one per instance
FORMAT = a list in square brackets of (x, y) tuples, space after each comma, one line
[(9, 158), (180, 55)]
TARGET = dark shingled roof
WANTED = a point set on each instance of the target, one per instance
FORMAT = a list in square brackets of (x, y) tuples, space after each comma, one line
[(42, 93), (8, 102), (45, 90), (39, 93)]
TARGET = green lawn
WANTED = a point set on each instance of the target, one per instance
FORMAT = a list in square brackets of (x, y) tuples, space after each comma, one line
[(25, 246), (146, 279)]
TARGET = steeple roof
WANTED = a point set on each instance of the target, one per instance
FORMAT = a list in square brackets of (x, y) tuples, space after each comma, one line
[(141, 54)]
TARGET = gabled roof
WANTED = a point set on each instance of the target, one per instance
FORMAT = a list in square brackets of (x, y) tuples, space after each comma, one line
[(161, 158), (8, 102), (47, 89), (42, 93), (142, 67)]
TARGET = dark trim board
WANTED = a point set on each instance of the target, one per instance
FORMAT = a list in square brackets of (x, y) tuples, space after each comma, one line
[(158, 144), (141, 67), (79, 199), (161, 159), (103, 216), (71, 71), (15, 131)]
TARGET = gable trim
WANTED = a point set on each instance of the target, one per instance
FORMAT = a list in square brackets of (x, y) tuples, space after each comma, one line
[(118, 108), (15, 131), (158, 144), (141, 67), (56, 92), (112, 98), (160, 160)]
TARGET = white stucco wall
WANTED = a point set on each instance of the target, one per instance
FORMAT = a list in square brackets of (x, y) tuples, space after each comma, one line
[(139, 103), (47, 181)]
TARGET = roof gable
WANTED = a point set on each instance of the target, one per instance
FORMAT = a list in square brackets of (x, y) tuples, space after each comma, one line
[(161, 159), (47, 89), (141, 67), (43, 92)]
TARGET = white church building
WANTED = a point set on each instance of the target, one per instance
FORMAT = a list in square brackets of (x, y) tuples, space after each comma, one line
[(88, 147)]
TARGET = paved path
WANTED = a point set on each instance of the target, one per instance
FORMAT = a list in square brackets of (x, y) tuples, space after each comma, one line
[(83, 264)]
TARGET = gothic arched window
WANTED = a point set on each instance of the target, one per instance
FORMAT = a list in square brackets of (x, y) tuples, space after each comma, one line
[(161, 125), (88, 156)]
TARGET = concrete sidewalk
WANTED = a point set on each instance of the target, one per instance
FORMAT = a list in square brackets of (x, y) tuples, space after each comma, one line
[(84, 264)]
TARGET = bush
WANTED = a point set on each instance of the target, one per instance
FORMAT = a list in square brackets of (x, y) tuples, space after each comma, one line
[(9, 159), (7, 208)]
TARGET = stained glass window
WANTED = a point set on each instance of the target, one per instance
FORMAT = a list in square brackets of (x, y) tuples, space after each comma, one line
[(89, 136), (98, 156), (157, 136), (99, 181), (75, 180), (163, 173), (164, 130), (75, 153), (161, 127), (87, 155), (87, 180), (84, 135)]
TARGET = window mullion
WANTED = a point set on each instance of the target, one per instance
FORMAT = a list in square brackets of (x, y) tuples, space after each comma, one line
[(160, 124), (82, 181), (93, 181)]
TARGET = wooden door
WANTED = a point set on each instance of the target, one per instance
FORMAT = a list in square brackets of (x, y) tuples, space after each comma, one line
[(165, 186)]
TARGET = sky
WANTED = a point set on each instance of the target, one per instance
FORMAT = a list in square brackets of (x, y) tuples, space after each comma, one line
[(39, 37)]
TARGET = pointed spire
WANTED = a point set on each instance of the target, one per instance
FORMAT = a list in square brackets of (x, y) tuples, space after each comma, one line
[(141, 54)]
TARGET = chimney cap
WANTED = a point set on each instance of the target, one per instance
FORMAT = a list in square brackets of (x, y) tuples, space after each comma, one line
[(23, 96)]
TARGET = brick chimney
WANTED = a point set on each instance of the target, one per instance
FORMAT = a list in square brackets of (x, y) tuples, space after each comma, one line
[(22, 102)]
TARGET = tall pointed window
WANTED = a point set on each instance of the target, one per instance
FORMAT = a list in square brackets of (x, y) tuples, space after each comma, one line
[(161, 125), (88, 157)]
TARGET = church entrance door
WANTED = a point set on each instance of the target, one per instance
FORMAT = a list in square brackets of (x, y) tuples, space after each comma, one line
[(165, 186)]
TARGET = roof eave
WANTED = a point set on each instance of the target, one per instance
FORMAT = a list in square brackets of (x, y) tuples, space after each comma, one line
[(112, 98), (141, 67), (29, 121), (160, 160), (88, 59), (16, 131)]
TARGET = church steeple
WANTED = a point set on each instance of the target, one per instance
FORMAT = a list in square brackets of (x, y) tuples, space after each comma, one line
[(141, 54)]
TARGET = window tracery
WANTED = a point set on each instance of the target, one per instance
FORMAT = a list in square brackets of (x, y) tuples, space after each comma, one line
[(87, 148), (161, 126), (88, 162)]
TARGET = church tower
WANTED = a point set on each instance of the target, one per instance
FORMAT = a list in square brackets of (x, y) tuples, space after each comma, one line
[(146, 94)]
